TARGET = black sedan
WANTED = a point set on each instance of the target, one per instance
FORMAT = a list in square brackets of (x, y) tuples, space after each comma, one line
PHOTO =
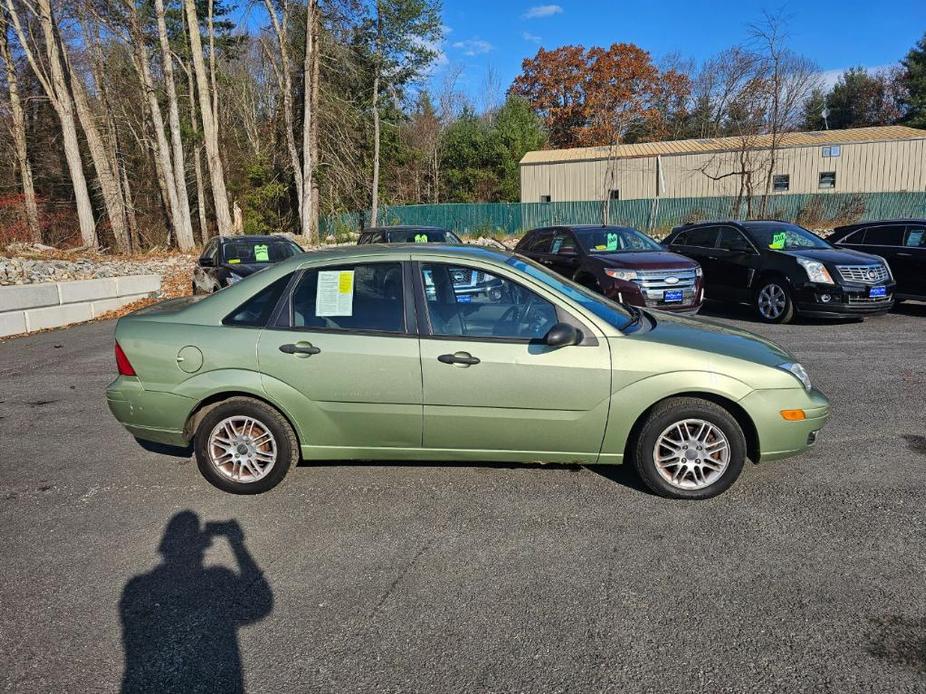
[(408, 233), (228, 259), (901, 242), (782, 269)]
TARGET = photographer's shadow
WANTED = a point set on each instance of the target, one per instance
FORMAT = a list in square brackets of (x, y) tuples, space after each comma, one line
[(180, 620)]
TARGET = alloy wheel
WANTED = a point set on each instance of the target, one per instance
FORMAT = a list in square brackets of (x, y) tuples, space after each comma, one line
[(243, 449), (772, 301), (691, 454)]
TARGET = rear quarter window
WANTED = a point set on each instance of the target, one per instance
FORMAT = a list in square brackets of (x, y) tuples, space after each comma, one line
[(256, 311)]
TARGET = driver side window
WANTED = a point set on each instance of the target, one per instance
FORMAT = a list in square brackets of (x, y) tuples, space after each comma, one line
[(466, 302)]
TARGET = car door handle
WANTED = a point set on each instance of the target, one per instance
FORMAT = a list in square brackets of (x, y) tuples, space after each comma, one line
[(903, 255), (301, 349), (713, 257), (460, 358)]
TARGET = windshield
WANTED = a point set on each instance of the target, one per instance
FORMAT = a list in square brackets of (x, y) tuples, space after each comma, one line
[(615, 239), (604, 308), (422, 236), (781, 236), (251, 251)]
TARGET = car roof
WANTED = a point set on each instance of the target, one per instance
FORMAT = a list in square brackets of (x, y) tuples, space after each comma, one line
[(399, 251), (878, 222), (254, 237), (405, 227), (580, 227)]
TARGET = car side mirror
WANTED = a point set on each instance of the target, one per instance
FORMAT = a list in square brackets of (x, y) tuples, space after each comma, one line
[(206, 262), (562, 335)]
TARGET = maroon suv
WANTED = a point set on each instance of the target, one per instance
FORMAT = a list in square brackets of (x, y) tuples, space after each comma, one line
[(619, 262)]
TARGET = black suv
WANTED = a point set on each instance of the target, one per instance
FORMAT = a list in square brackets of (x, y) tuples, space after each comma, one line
[(228, 259), (901, 242), (408, 234), (620, 262), (781, 268)]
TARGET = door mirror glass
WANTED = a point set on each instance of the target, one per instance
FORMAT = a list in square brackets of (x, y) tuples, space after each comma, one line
[(562, 335)]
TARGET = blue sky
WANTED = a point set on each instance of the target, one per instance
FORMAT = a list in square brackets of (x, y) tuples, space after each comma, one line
[(484, 35)]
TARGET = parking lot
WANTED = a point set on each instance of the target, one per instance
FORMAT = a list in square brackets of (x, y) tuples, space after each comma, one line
[(808, 575)]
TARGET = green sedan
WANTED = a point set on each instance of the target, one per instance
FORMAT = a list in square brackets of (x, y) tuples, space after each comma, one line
[(417, 352)]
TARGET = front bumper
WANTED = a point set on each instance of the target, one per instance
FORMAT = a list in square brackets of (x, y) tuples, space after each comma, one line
[(149, 415), (839, 300), (631, 293), (778, 437)]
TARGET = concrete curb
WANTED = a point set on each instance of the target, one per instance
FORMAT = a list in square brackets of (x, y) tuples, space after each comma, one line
[(25, 308)]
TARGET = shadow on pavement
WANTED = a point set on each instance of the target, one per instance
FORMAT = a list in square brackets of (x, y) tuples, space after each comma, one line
[(180, 620), (744, 312)]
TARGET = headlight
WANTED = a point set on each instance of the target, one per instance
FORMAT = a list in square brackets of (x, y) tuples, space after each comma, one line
[(799, 372), (698, 271), (816, 271), (620, 274), (232, 278)]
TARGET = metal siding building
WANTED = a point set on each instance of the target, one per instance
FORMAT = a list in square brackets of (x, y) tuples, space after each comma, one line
[(863, 160)]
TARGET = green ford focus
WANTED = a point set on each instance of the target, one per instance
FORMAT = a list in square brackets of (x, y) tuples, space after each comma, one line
[(419, 352)]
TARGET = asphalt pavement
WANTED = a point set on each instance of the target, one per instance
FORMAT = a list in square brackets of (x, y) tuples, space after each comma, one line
[(808, 575)]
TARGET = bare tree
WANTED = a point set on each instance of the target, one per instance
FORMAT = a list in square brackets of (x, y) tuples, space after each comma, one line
[(54, 84), (310, 99), (210, 129), (18, 132)]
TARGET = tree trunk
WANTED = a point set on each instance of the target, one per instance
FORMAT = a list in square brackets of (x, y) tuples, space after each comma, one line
[(210, 132), (197, 163), (56, 89), (19, 136), (185, 238), (308, 118), (316, 87), (374, 205), (130, 209), (103, 165)]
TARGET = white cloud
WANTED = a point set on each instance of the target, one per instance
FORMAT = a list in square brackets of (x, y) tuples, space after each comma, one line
[(533, 38), (540, 11), (474, 46), (829, 77)]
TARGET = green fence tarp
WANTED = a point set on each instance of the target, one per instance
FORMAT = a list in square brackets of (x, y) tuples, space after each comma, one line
[(819, 211)]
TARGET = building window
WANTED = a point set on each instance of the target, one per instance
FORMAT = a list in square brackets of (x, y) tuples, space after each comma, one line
[(544, 198), (781, 183), (832, 151), (827, 179), (614, 194)]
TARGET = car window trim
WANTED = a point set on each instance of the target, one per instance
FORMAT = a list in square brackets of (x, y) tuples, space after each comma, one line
[(426, 332), (283, 315)]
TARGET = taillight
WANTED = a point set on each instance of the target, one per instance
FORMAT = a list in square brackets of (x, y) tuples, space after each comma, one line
[(122, 363)]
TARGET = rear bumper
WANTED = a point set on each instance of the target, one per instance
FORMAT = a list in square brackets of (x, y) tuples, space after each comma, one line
[(835, 301), (778, 437), (149, 415)]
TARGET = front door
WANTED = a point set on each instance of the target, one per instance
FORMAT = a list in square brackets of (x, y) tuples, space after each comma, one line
[(344, 361), (490, 384), (700, 244), (910, 262), (735, 263)]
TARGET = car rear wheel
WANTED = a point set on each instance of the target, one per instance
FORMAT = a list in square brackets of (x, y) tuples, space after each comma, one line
[(244, 446), (689, 448), (773, 302)]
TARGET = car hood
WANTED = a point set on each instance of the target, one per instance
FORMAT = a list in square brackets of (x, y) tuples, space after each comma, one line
[(243, 270), (835, 256), (646, 260), (716, 338)]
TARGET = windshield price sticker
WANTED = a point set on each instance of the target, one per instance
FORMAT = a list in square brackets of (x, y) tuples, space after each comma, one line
[(611, 245), (779, 238), (262, 253), (335, 295), (421, 238)]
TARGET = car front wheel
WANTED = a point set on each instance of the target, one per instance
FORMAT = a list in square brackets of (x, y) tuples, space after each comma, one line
[(773, 302), (689, 448), (245, 446)]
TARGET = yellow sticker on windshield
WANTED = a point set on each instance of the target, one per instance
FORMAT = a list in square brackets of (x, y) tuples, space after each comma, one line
[(262, 253), (612, 243), (778, 241), (232, 261), (601, 247), (421, 238)]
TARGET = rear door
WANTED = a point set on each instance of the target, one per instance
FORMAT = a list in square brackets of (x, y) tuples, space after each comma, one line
[(490, 384), (911, 258), (700, 244), (735, 264), (887, 240), (343, 355)]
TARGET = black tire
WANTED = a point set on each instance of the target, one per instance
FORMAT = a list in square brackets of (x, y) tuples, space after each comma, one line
[(286, 443), (674, 410), (774, 285)]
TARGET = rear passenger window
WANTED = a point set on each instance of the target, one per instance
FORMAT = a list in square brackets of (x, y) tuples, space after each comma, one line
[(541, 242), (705, 237), (680, 240), (732, 240), (256, 311), (361, 298)]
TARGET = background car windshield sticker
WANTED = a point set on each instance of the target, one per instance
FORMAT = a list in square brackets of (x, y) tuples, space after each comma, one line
[(232, 261), (611, 244), (262, 253), (557, 244), (335, 295), (778, 240), (421, 238)]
